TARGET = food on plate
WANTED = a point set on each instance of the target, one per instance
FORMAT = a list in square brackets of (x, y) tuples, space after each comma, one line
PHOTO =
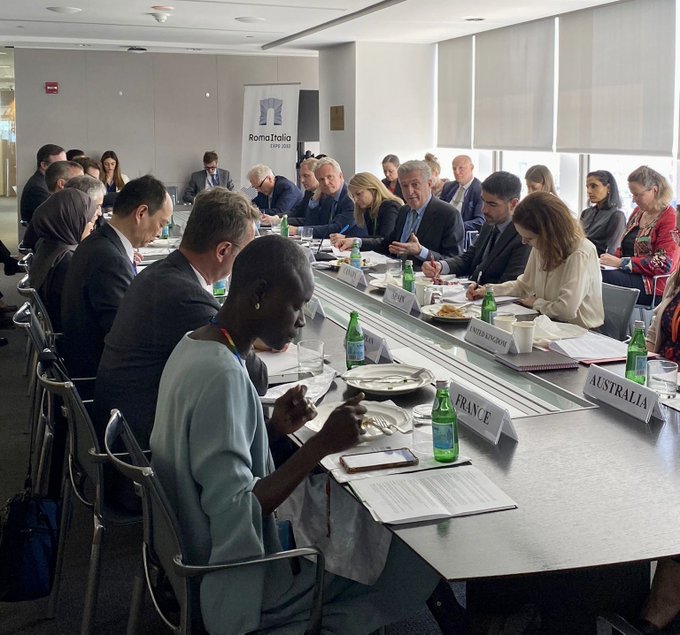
[(345, 261), (450, 311)]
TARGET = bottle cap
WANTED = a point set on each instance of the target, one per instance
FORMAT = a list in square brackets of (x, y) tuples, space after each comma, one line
[(639, 324), (442, 383), (409, 263)]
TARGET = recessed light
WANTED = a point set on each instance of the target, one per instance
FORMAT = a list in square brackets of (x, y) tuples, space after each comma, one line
[(250, 36), (249, 19), (64, 9), (136, 49), (474, 19), (162, 7), (83, 45)]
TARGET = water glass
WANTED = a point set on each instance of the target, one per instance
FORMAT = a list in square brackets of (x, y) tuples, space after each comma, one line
[(310, 357), (662, 377), (422, 430), (306, 234), (393, 272)]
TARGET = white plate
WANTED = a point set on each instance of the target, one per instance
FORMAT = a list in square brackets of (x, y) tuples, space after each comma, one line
[(418, 274), (431, 311), (388, 379), (394, 415)]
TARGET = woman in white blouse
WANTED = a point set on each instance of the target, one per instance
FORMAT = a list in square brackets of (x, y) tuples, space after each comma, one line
[(562, 278)]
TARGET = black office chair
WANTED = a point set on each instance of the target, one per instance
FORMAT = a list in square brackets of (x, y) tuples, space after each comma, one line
[(163, 550), (84, 478)]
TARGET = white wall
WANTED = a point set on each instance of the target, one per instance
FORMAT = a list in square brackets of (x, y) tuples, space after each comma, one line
[(337, 87), (161, 123), (395, 104)]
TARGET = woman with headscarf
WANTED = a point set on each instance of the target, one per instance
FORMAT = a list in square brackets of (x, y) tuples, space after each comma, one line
[(65, 219)]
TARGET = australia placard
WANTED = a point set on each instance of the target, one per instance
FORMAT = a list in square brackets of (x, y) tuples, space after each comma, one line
[(486, 418), (400, 299), (352, 276), (635, 399), (489, 337)]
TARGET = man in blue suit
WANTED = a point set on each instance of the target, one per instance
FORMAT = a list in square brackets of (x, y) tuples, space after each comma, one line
[(465, 193), (334, 210), (276, 195)]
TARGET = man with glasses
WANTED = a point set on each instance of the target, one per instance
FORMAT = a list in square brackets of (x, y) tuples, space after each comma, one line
[(169, 298), (276, 195), (210, 176)]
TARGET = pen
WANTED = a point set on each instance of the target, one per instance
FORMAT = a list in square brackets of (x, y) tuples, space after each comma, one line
[(344, 229)]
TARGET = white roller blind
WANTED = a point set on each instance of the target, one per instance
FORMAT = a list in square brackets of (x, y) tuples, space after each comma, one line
[(454, 93), (616, 79), (514, 87)]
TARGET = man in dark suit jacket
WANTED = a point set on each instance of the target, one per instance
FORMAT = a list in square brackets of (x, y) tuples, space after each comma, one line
[(498, 254), (426, 227), (469, 201), (168, 299), (35, 192), (276, 195), (102, 268), (210, 176), (334, 210)]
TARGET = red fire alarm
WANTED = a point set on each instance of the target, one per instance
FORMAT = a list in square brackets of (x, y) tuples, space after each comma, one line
[(52, 88)]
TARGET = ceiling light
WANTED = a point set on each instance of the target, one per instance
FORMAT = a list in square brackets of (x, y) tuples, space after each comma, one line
[(136, 49), (64, 9), (249, 19), (474, 19), (161, 7)]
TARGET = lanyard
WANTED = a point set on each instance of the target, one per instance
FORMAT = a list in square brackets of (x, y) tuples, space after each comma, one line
[(230, 341)]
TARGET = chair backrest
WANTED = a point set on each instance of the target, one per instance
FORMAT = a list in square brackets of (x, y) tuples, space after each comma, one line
[(162, 537), (85, 458), (26, 290), (470, 237), (26, 262), (619, 303)]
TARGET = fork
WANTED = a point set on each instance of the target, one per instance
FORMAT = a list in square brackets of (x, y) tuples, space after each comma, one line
[(379, 423)]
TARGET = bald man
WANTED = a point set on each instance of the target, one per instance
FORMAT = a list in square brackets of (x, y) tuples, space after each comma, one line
[(468, 201)]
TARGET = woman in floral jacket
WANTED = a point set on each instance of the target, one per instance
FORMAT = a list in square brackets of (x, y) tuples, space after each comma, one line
[(647, 248)]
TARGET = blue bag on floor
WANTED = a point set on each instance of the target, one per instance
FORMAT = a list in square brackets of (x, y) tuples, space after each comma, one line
[(28, 546)]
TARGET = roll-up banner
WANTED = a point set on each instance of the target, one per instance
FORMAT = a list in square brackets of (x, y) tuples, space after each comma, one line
[(270, 121)]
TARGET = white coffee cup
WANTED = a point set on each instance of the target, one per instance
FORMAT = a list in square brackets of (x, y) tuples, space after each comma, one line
[(420, 286), (523, 334), (504, 322)]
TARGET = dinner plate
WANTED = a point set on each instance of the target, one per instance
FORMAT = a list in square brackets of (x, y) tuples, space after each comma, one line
[(335, 265), (388, 379), (418, 274), (431, 311), (394, 416)]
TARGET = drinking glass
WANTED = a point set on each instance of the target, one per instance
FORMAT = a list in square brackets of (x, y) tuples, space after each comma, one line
[(310, 357), (393, 272), (306, 235), (662, 377)]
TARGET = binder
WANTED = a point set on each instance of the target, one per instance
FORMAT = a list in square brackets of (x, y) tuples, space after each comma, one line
[(536, 361)]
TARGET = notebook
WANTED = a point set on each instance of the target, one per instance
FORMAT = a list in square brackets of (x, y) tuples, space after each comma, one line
[(536, 360)]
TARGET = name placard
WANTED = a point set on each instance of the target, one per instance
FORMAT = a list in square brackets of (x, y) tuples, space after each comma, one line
[(376, 347), (486, 418), (314, 308), (489, 337), (638, 401), (352, 276), (403, 300)]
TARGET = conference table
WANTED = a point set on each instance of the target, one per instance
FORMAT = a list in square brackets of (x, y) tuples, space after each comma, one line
[(597, 491)]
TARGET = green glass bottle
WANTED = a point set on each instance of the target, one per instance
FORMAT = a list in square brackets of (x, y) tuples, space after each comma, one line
[(355, 256), (636, 360), (355, 346), (408, 279), (444, 425), (489, 307), (283, 228)]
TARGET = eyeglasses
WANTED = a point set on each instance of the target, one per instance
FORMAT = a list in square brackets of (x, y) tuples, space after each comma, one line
[(210, 167), (257, 187)]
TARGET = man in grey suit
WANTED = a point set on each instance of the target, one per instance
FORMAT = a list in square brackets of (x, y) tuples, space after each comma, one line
[(210, 176), (498, 254), (103, 267), (426, 227), (169, 298)]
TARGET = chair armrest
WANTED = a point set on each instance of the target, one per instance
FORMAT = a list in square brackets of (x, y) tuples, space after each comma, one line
[(610, 622), (315, 615), (104, 458)]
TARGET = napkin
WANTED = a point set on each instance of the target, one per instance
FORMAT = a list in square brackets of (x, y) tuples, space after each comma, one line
[(546, 331)]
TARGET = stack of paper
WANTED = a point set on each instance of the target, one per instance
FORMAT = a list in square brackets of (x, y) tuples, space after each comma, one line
[(591, 347), (432, 495)]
